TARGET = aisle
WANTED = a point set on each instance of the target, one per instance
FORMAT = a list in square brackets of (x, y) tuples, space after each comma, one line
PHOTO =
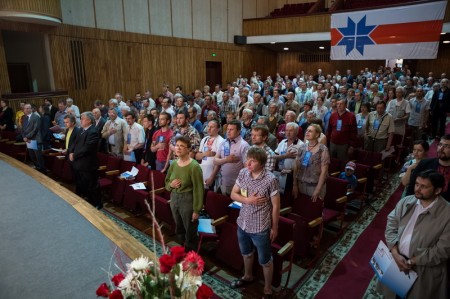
[(353, 273)]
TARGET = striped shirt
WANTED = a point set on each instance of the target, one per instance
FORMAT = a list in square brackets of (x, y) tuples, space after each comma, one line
[(256, 218)]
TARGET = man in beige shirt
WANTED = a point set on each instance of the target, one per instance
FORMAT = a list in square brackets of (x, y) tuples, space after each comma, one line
[(379, 129)]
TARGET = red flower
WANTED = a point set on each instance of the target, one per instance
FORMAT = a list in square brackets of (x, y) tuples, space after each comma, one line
[(103, 290), (166, 262), (193, 263), (177, 252), (116, 295), (204, 292), (117, 279)]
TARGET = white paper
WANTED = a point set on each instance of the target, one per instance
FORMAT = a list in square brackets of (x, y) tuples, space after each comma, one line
[(130, 157), (385, 267), (138, 186), (130, 174), (32, 145), (58, 136), (385, 153), (205, 226), (134, 171), (59, 150)]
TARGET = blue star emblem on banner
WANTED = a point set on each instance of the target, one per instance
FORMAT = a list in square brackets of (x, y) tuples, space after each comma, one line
[(356, 35)]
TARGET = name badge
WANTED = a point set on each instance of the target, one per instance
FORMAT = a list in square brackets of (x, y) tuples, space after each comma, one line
[(205, 149), (226, 149), (376, 124), (305, 160), (441, 96), (128, 138), (418, 107), (160, 139), (244, 192), (339, 125)]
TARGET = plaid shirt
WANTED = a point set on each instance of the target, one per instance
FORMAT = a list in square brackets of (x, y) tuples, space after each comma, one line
[(229, 106), (256, 218), (190, 132)]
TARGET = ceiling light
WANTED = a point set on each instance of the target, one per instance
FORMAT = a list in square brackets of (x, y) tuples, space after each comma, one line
[(446, 42), (272, 43), (321, 48), (286, 49)]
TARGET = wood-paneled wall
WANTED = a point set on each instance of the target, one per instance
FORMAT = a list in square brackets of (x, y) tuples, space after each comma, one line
[(289, 64), (45, 7), (306, 24), (129, 63)]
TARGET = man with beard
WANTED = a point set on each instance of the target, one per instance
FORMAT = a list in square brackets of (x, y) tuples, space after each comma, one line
[(418, 236), (441, 164)]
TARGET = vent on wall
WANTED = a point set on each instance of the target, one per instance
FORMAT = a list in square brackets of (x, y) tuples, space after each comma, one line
[(76, 49), (314, 58)]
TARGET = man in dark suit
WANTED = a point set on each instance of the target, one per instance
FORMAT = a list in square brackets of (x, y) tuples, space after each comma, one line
[(440, 108), (52, 108), (31, 134), (83, 154), (99, 124)]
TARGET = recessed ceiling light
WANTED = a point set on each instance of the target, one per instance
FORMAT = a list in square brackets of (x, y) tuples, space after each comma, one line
[(272, 43), (321, 48), (442, 33), (446, 42), (286, 49)]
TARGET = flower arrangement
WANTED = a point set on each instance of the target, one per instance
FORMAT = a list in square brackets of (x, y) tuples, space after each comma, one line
[(175, 275)]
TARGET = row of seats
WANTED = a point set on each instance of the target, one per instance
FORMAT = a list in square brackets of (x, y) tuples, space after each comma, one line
[(292, 9)]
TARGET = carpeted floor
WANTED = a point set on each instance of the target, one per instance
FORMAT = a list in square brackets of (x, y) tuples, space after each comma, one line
[(47, 249)]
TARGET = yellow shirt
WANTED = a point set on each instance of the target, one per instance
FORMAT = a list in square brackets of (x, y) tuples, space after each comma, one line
[(19, 115), (69, 132)]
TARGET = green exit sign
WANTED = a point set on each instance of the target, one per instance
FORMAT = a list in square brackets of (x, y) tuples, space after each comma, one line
[(213, 54)]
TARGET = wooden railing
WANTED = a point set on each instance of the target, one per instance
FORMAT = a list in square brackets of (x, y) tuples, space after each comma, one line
[(36, 98)]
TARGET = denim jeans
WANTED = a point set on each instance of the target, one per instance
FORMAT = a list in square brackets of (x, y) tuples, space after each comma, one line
[(261, 241)]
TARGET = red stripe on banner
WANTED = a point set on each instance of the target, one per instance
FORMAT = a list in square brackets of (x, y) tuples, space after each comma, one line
[(336, 36), (416, 32)]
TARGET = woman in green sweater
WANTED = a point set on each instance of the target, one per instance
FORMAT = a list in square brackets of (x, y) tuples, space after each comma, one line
[(185, 181)]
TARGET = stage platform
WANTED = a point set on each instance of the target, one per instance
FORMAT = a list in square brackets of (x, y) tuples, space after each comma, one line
[(53, 244)]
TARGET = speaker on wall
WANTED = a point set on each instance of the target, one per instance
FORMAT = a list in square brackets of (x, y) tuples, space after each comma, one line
[(240, 40)]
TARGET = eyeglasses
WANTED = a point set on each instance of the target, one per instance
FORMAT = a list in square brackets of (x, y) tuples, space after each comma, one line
[(444, 145), (180, 146)]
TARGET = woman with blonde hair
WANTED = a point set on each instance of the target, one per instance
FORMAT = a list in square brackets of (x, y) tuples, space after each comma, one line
[(311, 166)]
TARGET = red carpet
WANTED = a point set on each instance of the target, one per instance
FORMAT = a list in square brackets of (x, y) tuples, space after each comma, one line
[(352, 275)]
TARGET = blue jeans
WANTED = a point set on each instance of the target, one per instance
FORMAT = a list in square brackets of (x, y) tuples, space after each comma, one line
[(261, 241)]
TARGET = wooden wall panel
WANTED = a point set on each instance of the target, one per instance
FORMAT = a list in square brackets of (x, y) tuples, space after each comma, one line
[(437, 66), (128, 62), (314, 23), (289, 64), (5, 86), (44, 7)]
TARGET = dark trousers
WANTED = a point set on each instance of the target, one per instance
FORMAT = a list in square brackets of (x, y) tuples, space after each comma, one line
[(87, 186), (438, 124), (36, 157), (182, 208)]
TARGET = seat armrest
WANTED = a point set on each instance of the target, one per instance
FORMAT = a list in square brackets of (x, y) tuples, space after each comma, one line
[(335, 174), (285, 211), (315, 222), (362, 180), (378, 166), (103, 167), (157, 191), (219, 221), (341, 199), (286, 248), (112, 172), (19, 143), (10, 142)]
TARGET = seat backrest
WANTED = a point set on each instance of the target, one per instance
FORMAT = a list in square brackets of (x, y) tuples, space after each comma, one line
[(143, 173), (216, 204), (158, 179), (113, 163), (286, 229), (102, 158), (126, 166), (368, 158), (335, 165), (306, 208), (336, 188)]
